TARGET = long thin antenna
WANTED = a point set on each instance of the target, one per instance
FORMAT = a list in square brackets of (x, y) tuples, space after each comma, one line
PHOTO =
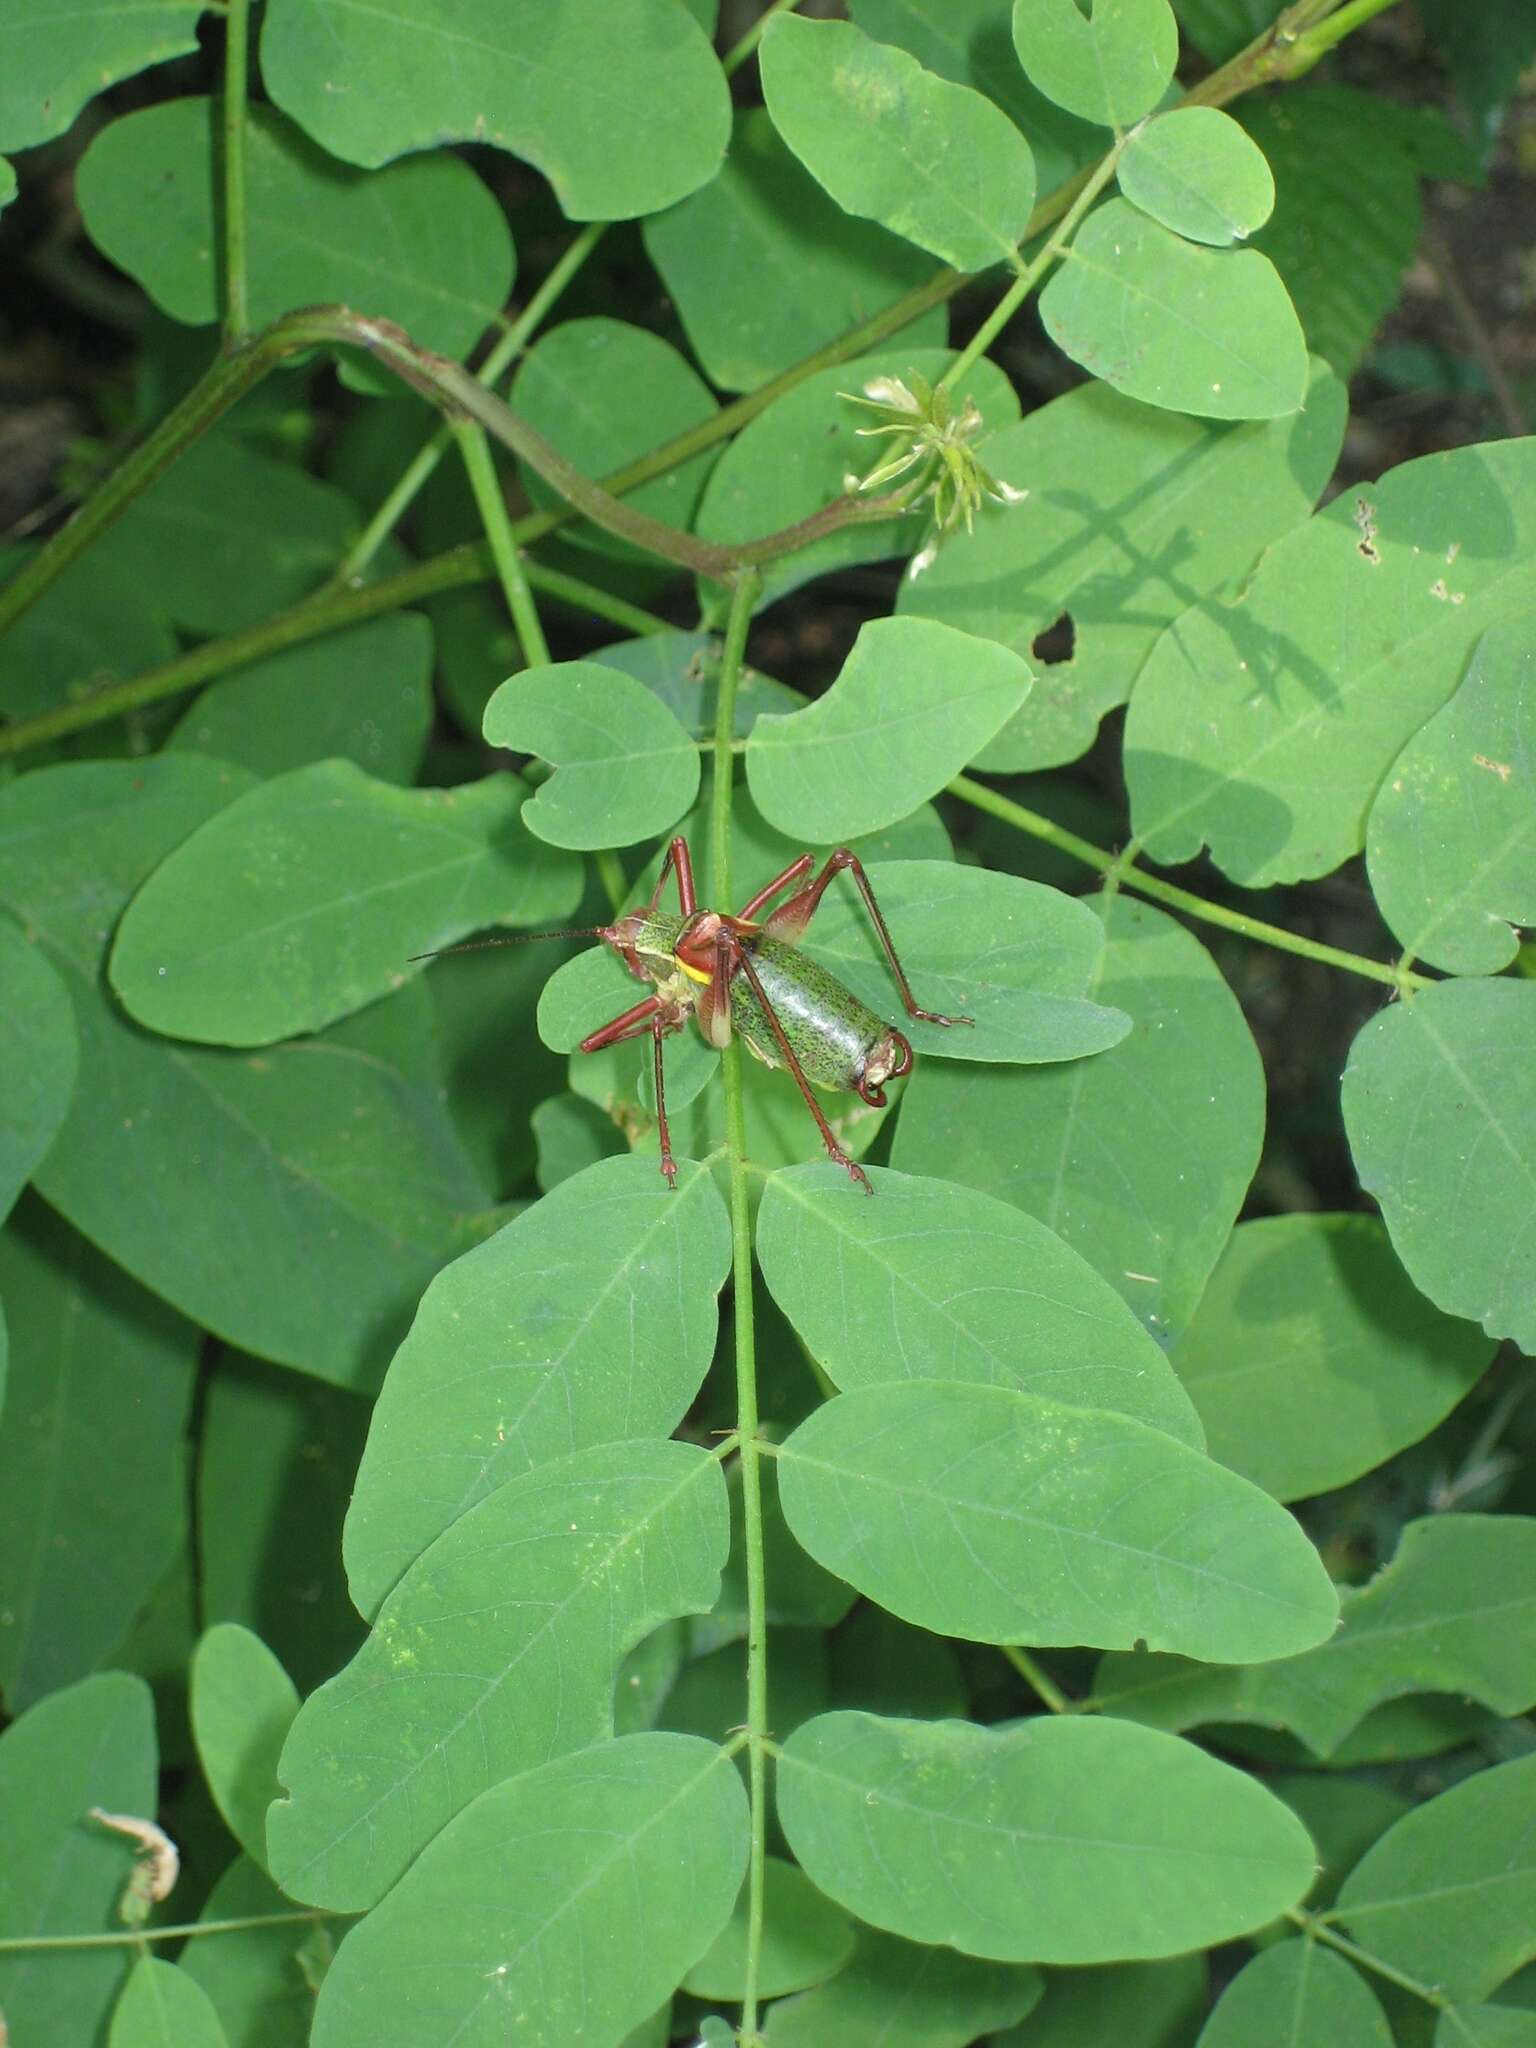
[(588, 931)]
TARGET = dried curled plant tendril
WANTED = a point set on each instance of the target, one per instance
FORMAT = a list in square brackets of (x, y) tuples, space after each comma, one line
[(155, 1869)]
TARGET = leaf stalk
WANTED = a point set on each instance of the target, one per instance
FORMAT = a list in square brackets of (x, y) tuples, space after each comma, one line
[(1121, 868), (1315, 1927), (131, 1937)]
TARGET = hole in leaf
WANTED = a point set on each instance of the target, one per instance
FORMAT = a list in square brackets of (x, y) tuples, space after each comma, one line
[(1056, 643)]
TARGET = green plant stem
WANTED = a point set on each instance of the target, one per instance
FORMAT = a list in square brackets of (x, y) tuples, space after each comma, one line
[(193, 1929), (740, 619), (1034, 270), (492, 507), (737, 625), (228, 378), (237, 316), (310, 620), (738, 54), (591, 597), (1122, 868), (1038, 1679), (425, 461), (1286, 50), (1314, 43), (469, 564), (1265, 60), (1316, 1928), (450, 386), (332, 611)]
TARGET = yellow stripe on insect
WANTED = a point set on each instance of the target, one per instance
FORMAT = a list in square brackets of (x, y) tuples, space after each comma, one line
[(693, 973)]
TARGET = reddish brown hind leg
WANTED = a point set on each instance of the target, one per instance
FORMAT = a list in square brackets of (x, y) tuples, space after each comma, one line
[(791, 918), (730, 954), (680, 863)]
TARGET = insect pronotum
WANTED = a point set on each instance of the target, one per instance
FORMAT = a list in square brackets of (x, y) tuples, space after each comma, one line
[(746, 975)]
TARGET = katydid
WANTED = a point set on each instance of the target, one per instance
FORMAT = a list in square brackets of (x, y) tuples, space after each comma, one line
[(746, 975)]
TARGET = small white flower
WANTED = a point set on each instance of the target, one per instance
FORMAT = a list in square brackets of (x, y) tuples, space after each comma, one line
[(892, 392)]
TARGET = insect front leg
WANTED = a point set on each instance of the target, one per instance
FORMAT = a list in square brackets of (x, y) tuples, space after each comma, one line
[(791, 919), (657, 1016)]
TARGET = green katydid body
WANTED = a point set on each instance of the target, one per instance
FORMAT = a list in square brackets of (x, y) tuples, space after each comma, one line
[(836, 1038), (745, 977)]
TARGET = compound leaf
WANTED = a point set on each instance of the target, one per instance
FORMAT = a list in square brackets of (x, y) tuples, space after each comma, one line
[(258, 1976), (364, 695), (588, 1319), (1110, 66), (1137, 2005), (934, 1281), (1297, 1991), (1263, 727), (1451, 839), (561, 1906), (92, 1508), (1486, 2026), (899, 1994), (335, 1169), (495, 1652), (275, 1469), (1312, 1358), (805, 1939), (999, 1517), (1068, 1840), (1449, 1894), (227, 536), (928, 159), (58, 58), (1195, 171), (1440, 1107), (683, 670), (242, 1705), (93, 1744), (624, 768), (764, 268), (1208, 331), (162, 2007), (39, 1053), (1452, 1613), (914, 701), (1134, 513), (369, 88), (1139, 1159), (1017, 958), (423, 243), (305, 898), (96, 625), (971, 42)]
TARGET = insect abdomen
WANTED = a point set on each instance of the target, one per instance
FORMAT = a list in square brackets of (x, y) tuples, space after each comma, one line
[(830, 1032)]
